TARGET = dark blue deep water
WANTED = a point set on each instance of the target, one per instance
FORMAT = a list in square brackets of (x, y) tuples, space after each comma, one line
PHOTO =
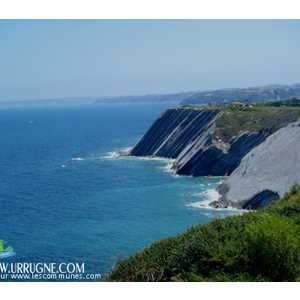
[(65, 197)]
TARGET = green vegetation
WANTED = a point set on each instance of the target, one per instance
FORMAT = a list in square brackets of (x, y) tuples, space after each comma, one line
[(263, 118), (257, 246), (294, 102)]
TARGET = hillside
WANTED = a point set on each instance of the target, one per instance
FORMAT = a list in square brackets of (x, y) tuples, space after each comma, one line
[(176, 97), (253, 119), (258, 94), (263, 245)]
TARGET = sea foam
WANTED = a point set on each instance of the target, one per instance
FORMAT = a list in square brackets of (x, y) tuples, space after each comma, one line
[(117, 153), (209, 196)]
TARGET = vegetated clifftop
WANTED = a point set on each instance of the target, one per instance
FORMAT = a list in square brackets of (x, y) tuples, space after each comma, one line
[(267, 172), (213, 142)]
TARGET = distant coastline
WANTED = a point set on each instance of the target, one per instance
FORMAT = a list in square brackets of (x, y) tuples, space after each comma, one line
[(259, 94)]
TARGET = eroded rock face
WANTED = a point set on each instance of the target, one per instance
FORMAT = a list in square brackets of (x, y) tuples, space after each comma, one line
[(212, 159), (266, 172), (173, 131), (261, 199), (186, 134)]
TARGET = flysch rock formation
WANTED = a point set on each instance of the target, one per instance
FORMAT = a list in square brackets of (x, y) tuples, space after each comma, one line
[(173, 131), (186, 135), (262, 167), (266, 172), (214, 158)]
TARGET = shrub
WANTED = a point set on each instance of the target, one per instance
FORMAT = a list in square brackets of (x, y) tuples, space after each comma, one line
[(273, 248), (257, 246)]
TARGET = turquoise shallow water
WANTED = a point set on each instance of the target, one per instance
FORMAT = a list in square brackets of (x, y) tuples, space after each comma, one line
[(66, 197)]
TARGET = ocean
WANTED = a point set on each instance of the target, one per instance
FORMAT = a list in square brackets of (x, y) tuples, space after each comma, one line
[(67, 197)]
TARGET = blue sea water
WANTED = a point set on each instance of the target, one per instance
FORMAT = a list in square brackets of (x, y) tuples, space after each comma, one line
[(66, 197)]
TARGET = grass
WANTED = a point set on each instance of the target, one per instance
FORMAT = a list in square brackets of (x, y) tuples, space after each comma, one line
[(254, 119), (262, 245)]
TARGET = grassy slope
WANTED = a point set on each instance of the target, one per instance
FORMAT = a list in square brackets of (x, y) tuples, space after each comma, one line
[(236, 119), (258, 246)]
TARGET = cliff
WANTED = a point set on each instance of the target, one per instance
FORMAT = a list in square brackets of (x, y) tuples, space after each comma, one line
[(245, 143), (187, 135), (175, 129), (216, 158), (267, 172)]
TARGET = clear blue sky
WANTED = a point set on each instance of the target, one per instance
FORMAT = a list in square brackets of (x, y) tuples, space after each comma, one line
[(73, 58)]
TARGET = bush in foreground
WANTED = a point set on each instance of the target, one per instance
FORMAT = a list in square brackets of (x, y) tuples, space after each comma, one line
[(257, 246)]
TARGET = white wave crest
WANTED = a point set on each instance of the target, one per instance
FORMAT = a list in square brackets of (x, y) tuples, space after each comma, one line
[(117, 153), (111, 155), (209, 196), (168, 167), (152, 158), (78, 158), (199, 204), (125, 151)]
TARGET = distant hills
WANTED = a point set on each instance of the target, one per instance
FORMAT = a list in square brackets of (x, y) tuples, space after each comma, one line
[(257, 94), (48, 102), (148, 98), (98, 100)]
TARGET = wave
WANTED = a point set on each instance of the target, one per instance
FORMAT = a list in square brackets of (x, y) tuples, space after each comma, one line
[(209, 194), (208, 197), (111, 155), (117, 153), (168, 167), (125, 151), (205, 205), (152, 158)]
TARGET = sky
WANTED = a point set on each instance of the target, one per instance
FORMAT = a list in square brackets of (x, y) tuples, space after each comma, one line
[(42, 59)]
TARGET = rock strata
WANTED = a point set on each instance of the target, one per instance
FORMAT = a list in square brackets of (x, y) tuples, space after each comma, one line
[(186, 135), (266, 172), (214, 159), (262, 167), (173, 131)]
